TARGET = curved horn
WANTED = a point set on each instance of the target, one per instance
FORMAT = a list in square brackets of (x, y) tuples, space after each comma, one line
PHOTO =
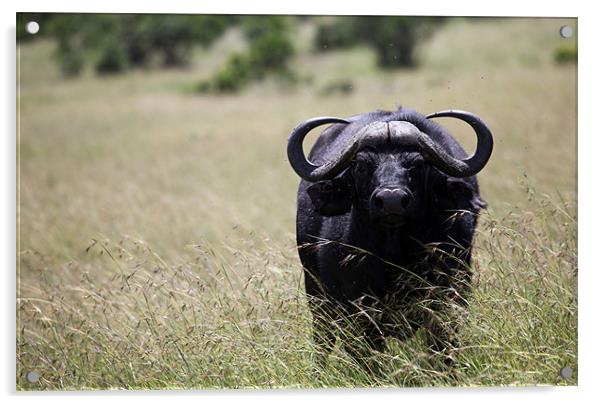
[(406, 134), (471, 165), (306, 169)]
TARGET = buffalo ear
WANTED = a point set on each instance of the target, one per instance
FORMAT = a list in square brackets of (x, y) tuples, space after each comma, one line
[(331, 197), (458, 193)]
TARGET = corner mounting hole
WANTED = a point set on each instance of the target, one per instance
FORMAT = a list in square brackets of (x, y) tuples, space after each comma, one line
[(566, 372), (566, 31), (32, 27), (32, 376)]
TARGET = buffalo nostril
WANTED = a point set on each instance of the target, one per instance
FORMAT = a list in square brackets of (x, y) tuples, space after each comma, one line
[(392, 201)]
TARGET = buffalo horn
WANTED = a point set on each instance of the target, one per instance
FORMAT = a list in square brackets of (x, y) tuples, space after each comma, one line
[(303, 167), (457, 167)]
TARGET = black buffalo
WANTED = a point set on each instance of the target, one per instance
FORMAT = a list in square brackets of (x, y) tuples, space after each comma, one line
[(386, 212)]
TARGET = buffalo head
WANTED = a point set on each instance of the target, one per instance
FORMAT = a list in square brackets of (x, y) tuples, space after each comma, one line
[(388, 170)]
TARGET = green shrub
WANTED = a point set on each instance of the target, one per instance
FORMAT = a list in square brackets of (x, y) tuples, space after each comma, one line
[(171, 39), (71, 61), (340, 34), (395, 39), (205, 29), (566, 54), (113, 58), (233, 75), (227, 81), (257, 26), (138, 39), (241, 65), (69, 52), (230, 78), (270, 52)]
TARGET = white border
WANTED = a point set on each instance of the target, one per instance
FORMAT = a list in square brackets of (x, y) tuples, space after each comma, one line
[(589, 223)]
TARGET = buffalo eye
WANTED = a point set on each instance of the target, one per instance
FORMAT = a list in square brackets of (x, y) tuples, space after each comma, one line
[(416, 170), (416, 166), (361, 166)]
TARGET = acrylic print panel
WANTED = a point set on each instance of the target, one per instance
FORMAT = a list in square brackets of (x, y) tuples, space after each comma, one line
[(157, 241)]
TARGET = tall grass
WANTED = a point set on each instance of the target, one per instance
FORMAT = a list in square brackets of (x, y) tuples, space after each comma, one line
[(126, 318)]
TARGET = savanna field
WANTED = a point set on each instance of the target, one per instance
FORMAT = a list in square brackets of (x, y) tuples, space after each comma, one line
[(156, 225)]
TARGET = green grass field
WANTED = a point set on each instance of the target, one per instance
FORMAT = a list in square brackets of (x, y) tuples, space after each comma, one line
[(156, 226)]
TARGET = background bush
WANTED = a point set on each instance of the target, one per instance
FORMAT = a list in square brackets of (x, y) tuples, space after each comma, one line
[(395, 39), (566, 54), (113, 58), (134, 40), (159, 41), (167, 41), (269, 51), (257, 26), (70, 62), (336, 35)]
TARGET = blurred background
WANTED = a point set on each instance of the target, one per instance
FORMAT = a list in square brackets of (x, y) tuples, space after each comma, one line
[(174, 127), (156, 205)]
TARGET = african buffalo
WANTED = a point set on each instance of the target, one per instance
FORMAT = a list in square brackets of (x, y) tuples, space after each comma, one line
[(386, 212)]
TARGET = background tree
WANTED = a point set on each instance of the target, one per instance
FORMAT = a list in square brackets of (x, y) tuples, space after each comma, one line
[(395, 39)]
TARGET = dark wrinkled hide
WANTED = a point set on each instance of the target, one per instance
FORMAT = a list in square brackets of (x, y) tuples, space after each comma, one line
[(356, 266)]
